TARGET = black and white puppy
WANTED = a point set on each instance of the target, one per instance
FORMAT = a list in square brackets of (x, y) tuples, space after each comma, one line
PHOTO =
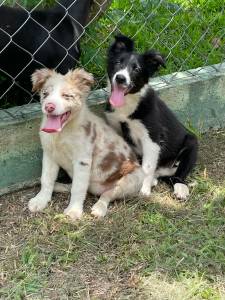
[(166, 148)]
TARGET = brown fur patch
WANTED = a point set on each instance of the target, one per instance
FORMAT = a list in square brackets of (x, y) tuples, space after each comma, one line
[(94, 134), (87, 128), (109, 161), (39, 78), (111, 146), (81, 79), (122, 164), (97, 150), (126, 167), (113, 177), (122, 157)]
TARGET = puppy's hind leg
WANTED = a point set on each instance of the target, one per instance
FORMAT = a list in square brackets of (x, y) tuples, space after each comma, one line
[(62, 187), (128, 185), (187, 159)]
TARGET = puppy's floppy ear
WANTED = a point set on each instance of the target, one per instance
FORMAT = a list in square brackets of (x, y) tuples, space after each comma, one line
[(81, 78), (39, 77), (154, 59), (122, 43)]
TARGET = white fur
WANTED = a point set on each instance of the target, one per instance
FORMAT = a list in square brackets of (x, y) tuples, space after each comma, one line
[(53, 96), (125, 73), (49, 173), (80, 154), (160, 172), (154, 182), (181, 191), (150, 152), (121, 113), (99, 209)]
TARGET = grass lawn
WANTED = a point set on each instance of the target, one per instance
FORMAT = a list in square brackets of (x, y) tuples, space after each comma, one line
[(155, 248)]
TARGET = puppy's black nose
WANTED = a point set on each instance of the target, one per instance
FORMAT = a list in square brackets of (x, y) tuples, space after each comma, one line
[(120, 79)]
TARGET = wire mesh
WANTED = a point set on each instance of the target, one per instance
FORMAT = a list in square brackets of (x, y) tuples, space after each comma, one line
[(190, 33)]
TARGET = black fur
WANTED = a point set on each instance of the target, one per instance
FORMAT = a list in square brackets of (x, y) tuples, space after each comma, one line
[(176, 143), (37, 47)]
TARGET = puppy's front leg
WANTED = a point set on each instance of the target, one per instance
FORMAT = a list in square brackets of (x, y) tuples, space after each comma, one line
[(149, 164), (82, 170), (49, 174)]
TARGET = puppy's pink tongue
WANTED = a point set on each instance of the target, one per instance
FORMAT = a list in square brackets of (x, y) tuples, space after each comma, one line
[(52, 124), (117, 96)]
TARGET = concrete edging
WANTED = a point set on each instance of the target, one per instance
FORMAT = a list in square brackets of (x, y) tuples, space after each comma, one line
[(197, 97)]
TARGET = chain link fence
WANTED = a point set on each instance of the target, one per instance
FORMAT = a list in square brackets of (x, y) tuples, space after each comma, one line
[(69, 33)]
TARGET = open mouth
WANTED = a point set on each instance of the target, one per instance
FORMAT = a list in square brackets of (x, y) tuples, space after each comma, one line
[(117, 95), (54, 123)]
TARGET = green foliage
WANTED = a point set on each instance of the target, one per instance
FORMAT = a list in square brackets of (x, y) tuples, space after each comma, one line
[(182, 30)]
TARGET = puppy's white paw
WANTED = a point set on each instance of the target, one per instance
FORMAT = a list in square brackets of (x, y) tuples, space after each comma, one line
[(99, 209), (146, 190), (181, 191), (37, 203), (154, 182), (73, 212)]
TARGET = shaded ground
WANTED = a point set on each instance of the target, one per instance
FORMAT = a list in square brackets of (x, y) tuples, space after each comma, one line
[(154, 248), (212, 156)]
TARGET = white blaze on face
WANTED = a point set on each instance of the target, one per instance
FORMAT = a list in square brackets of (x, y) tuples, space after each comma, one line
[(53, 88), (124, 73), (54, 121), (118, 91)]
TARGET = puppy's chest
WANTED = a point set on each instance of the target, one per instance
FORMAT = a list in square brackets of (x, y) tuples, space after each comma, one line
[(62, 149), (132, 130)]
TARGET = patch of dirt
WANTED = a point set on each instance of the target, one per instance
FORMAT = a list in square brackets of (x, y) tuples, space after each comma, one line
[(212, 155)]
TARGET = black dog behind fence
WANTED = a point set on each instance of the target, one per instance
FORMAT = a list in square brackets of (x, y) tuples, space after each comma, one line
[(37, 38)]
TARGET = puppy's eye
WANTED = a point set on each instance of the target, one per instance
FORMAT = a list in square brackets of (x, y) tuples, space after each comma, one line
[(68, 96), (45, 94), (135, 68), (120, 61)]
